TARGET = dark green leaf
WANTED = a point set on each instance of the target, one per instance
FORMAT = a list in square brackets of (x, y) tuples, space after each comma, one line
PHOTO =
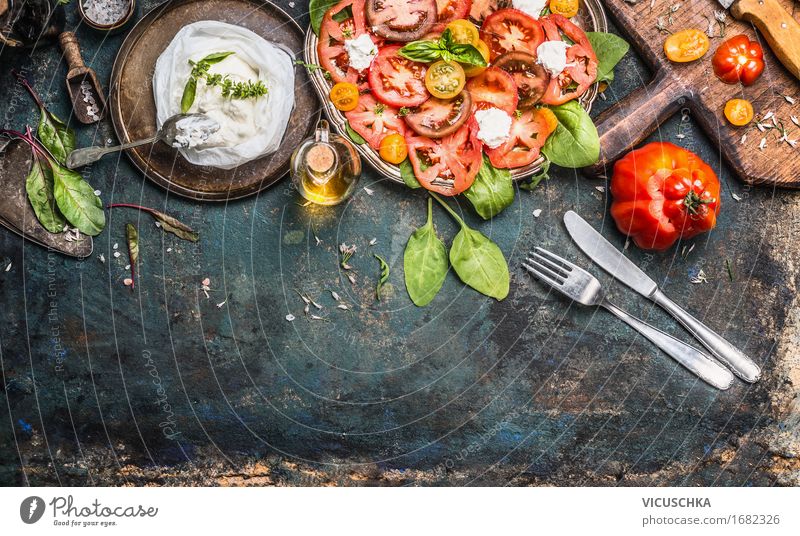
[(189, 91), (535, 179), (316, 10), (384, 275), (55, 136), (424, 263), (132, 236), (575, 143), (172, 225), (355, 136), (77, 201), (468, 54), (407, 173), (610, 49), (39, 186), (423, 51), (492, 191), (216, 57), (479, 263), (446, 40), (343, 14)]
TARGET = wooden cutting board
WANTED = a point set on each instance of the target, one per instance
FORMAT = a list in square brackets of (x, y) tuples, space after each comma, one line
[(694, 86)]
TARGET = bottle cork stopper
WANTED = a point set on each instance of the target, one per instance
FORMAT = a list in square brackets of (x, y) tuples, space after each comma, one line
[(320, 158)]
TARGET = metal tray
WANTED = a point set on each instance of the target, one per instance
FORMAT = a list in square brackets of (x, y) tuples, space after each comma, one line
[(591, 18)]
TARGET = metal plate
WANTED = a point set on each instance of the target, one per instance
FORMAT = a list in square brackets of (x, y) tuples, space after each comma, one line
[(133, 110), (591, 18)]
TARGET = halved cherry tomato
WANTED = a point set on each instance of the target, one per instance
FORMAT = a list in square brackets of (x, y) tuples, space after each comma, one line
[(687, 45), (581, 70), (739, 112), (529, 131), (397, 81), (437, 118), (463, 32), (567, 8), (475, 70), (344, 96), (550, 119), (738, 60), (507, 30), (393, 148), (449, 10), (447, 166), (496, 87), (445, 79), (530, 77), (481, 9), (401, 20), (337, 27), (374, 120)]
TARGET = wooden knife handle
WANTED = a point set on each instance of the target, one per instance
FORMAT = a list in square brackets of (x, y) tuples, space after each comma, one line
[(631, 120), (780, 29)]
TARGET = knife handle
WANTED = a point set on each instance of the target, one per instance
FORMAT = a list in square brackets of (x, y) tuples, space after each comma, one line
[(742, 366), (780, 29)]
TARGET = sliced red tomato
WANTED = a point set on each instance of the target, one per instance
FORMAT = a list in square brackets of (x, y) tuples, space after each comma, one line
[(401, 20), (496, 87), (335, 29), (374, 120), (449, 10), (581, 70), (530, 77), (508, 30), (447, 166), (481, 9), (437, 118), (397, 81), (528, 133)]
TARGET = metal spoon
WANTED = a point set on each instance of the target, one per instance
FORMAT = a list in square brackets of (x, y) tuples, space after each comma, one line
[(169, 131)]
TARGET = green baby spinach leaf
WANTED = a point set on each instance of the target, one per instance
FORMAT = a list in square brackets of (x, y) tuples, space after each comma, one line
[(57, 137), (353, 135), (610, 49), (316, 10), (424, 262), (407, 174), (77, 201), (575, 143), (492, 191), (39, 186)]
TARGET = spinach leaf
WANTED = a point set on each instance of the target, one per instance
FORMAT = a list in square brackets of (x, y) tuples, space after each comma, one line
[(77, 201), (535, 179), (575, 142), (407, 173), (39, 185), (424, 262), (492, 191), (477, 260), (353, 135), (57, 137), (610, 49), (316, 10)]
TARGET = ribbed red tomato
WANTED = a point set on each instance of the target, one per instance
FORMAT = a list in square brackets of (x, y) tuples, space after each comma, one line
[(738, 60)]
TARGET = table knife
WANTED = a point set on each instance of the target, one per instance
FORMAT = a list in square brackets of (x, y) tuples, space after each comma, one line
[(621, 268), (780, 29)]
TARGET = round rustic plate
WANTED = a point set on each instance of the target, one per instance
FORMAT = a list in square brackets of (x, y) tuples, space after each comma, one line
[(133, 109), (591, 18)]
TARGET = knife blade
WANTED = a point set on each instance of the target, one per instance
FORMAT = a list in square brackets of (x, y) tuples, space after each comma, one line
[(602, 252)]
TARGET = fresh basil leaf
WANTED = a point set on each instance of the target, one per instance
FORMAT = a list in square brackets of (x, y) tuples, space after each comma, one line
[(575, 142), (468, 54), (610, 49), (425, 262), (189, 92), (446, 40), (384, 275), (216, 57), (317, 10), (39, 186), (407, 173), (57, 137), (172, 225), (77, 201), (355, 136), (422, 51), (492, 191)]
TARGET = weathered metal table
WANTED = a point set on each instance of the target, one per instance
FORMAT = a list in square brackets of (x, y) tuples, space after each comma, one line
[(163, 385)]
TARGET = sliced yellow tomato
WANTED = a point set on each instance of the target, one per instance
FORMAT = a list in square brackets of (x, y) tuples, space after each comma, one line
[(344, 96), (567, 8), (550, 119), (393, 148), (445, 79), (739, 112), (463, 32), (687, 45), (475, 70)]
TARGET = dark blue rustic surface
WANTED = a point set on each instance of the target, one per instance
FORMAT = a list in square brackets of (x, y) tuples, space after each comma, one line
[(102, 385)]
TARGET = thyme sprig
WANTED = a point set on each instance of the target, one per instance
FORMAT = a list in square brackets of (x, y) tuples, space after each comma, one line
[(230, 90)]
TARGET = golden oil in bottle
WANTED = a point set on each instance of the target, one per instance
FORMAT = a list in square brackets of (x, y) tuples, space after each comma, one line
[(325, 168)]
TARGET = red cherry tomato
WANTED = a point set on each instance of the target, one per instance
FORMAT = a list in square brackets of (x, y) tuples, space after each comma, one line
[(738, 60)]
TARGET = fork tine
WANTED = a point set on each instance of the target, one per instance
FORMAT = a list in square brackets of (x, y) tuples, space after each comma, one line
[(554, 266), (565, 264), (543, 272)]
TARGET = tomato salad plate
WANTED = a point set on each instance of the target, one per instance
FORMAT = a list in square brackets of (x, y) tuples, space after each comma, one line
[(429, 90)]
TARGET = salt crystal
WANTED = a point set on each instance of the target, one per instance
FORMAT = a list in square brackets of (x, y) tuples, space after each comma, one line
[(116, 254), (369, 190), (537, 213), (290, 317), (206, 282), (127, 281)]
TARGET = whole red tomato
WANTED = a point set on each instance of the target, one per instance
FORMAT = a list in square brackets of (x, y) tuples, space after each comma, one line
[(738, 60), (662, 192)]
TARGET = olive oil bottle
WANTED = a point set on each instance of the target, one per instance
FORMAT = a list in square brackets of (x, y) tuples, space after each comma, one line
[(326, 167)]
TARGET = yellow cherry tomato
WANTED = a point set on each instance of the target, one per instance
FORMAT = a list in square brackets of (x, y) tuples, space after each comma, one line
[(445, 79), (463, 32), (393, 148), (475, 70), (567, 8), (550, 119), (739, 112), (687, 45), (344, 96)]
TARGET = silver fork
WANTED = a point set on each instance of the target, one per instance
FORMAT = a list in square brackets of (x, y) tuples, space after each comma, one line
[(582, 287)]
